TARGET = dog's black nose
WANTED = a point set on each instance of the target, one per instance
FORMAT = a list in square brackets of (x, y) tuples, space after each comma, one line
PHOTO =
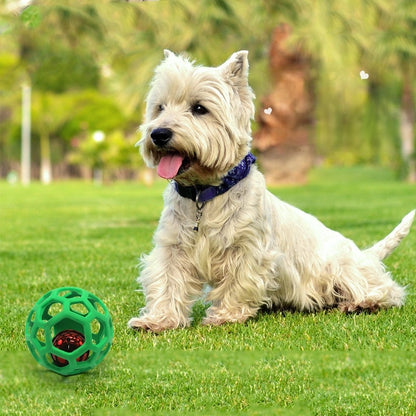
[(161, 136)]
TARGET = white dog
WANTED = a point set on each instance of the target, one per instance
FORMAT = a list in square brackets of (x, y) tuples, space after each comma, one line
[(221, 227)]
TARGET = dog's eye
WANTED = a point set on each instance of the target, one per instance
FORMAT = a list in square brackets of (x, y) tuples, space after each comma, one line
[(199, 109), (160, 108)]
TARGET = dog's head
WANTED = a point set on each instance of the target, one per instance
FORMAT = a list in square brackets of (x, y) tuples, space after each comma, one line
[(197, 123)]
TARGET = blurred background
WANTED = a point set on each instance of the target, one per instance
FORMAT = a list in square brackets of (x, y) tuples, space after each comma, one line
[(334, 81)]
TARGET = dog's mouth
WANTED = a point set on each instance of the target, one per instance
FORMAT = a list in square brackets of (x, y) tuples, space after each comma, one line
[(172, 164)]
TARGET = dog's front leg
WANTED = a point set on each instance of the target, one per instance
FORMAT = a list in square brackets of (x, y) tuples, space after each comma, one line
[(240, 293), (170, 285)]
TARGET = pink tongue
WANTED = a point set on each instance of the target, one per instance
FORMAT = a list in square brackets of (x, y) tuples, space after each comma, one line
[(169, 166)]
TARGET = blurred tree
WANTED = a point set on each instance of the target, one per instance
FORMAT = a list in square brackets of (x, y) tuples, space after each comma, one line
[(284, 122), (354, 116), (105, 155), (60, 65), (49, 113), (89, 110), (60, 68), (326, 33), (9, 76), (207, 30), (113, 46), (68, 118), (395, 47)]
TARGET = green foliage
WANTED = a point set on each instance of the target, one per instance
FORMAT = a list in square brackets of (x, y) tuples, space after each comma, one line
[(59, 69), (90, 111), (327, 363), (66, 62), (9, 75), (66, 119), (108, 152), (31, 16), (122, 151), (114, 46), (49, 111)]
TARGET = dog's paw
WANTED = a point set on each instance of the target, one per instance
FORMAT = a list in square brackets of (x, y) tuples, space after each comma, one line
[(216, 317), (213, 321), (138, 324), (147, 323), (366, 306)]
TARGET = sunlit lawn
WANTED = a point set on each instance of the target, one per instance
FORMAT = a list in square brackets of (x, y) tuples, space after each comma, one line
[(79, 234)]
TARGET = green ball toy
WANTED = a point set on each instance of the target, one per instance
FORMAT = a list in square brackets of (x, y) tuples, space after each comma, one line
[(69, 331)]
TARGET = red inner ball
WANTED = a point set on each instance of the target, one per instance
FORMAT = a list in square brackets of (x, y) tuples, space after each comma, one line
[(68, 340)]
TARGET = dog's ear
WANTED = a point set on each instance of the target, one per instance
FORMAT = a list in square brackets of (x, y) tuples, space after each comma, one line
[(168, 53), (235, 72), (236, 66)]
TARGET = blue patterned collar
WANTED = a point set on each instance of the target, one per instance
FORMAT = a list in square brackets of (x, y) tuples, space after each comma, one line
[(202, 194)]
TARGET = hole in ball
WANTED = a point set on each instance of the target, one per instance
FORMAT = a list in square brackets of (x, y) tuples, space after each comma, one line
[(97, 306), (54, 309), (95, 326), (79, 308), (64, 293), (40, 336)]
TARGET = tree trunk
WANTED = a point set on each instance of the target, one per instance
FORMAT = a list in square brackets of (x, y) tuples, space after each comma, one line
[(45, 159), (407, 128), (286, 115), (26, 128)]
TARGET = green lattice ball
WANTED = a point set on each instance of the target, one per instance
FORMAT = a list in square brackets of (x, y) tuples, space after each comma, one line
[(69, 331)]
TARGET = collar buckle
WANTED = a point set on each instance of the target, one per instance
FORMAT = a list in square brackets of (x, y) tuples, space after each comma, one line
[(198, 216)]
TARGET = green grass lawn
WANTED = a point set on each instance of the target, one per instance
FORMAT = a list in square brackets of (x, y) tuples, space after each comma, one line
[(78, 234)]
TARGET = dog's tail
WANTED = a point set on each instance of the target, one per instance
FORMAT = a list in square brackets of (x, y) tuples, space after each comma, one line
[(385, 247)]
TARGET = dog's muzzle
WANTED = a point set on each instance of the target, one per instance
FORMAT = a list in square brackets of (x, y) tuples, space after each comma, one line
[(161, 136)]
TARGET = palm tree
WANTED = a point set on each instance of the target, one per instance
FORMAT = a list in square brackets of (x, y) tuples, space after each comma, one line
[(396, 48), (339, 37), (200, 28), (325, 32)]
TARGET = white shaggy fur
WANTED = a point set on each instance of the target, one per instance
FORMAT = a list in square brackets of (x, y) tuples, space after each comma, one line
[(251, 248)]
